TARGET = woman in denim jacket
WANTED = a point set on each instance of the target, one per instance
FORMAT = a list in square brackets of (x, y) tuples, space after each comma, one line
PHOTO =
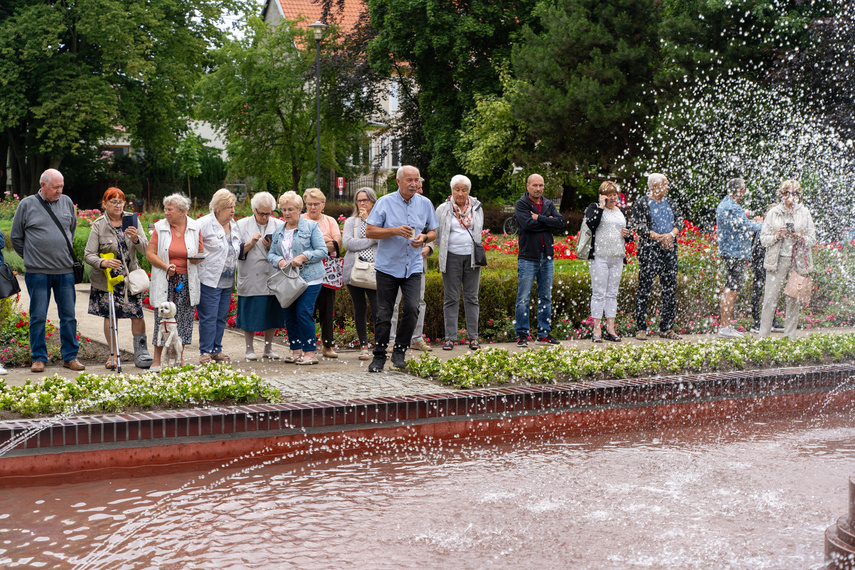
[(299, 243)]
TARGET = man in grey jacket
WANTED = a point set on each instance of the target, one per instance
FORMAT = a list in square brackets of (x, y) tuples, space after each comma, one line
[(38, 240)]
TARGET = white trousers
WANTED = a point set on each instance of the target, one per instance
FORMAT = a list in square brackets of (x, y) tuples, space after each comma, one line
[(605, 282), (775, 283)]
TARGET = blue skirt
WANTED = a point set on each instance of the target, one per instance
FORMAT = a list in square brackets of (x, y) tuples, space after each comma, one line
[(259, 313)]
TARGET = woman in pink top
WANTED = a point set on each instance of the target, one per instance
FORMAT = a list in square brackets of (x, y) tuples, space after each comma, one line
[(325, 304)]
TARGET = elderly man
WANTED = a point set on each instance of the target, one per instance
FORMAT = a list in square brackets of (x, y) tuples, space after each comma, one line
[(657, 222), (397, 221), (418, 340), (735, 230), (537, 217), (41, 242)]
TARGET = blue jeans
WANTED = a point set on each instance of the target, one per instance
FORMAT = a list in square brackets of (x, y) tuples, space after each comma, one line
[(213, 310), (39, 287), (528, 271), (299, 323)]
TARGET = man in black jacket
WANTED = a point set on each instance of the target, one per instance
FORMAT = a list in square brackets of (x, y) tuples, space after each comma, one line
[(537, 217)]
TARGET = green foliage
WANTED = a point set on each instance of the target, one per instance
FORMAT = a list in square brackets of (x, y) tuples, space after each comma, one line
[(490, 367), (185, 386), (74, 71), (585, 81)]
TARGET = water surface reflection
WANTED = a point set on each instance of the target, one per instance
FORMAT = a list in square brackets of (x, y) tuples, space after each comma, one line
[(748, 495)]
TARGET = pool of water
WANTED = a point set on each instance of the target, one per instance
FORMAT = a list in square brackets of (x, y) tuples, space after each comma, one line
[(743, 495)]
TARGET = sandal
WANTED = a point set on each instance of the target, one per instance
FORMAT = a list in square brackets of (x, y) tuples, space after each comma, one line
[(473, 344), (291, 359), (111, 363), (306, 361), (597, 339), (611, 337), (365, 354), (448, 345), (205, 358), (220, 357)]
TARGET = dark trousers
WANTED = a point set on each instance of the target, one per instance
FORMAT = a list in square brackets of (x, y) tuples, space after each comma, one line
[(325, 306), (387, 290), (757, 289), (655, 261), (360, 310)]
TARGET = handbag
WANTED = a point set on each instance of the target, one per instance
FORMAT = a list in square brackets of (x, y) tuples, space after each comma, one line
[(137, 281), (799, 287), (287, 285), (583, 242), (478, 251), (77, 263), (333, 271), (363, 274), (8, 282)]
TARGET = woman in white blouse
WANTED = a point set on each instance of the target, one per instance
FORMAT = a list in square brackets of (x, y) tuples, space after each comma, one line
[(606, 259)]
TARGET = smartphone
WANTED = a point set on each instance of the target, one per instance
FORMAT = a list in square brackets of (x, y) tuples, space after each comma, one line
[(200, 255), (791, 227), (129, 221)]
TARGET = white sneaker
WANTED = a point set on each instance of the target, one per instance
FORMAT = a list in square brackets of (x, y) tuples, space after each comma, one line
[(270, 355), (251, 355), (730, 332), (3, 370)]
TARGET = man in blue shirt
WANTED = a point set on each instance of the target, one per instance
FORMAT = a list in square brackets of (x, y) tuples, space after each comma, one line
[(397, 221), (657, 223), (735, 231)]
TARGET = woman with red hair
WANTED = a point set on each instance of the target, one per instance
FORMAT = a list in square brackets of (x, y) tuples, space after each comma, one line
[(109, 235)]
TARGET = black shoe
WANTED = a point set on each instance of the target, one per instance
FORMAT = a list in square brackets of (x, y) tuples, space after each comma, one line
[(522, 342), (398, 360), (548, 340), (377, 364)]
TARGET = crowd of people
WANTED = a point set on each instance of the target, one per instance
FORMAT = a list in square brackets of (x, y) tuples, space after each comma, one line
[(196, 264)]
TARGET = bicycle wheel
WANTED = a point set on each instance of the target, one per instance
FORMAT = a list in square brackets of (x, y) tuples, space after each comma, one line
[(511, 227)]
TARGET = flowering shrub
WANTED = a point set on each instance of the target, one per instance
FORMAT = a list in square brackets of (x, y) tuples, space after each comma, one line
[(8, 205), (498, 366), (185, 386)]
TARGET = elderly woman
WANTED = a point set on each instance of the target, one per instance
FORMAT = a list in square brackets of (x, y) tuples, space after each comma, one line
[(787, 234), (299, 243), (461, 220), (221, 243), (110, 235), (606, 258), (174, 253), (257, 309), (315, 202), (358, 246)]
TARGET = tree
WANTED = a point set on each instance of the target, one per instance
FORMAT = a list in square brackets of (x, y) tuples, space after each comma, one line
[(449, 50), (75, 71), (189, 154), (261, 96), (585, 86)]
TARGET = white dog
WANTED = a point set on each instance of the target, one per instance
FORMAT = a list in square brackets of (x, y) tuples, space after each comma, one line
[(172, 347)]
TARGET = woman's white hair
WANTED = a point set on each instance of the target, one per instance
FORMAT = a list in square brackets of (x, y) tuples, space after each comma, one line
[(460, 179), (654, 178), (291, 197), (178, 200), (263, 199)]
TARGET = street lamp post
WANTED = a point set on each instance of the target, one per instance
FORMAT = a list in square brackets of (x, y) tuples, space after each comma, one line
[(318, 28)]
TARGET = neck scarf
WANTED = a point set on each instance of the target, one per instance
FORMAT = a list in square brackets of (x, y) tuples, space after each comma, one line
[(463, 215)]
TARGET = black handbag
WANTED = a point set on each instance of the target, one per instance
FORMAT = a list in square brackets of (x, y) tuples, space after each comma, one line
[(478, 250), (76, 263), (8, 282)]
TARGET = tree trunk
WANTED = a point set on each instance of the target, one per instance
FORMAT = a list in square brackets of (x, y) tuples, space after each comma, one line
[(568, 199)]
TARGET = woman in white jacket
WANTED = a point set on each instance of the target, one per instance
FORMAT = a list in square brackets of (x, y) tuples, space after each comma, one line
[(461, 220), (217, 274), (173, 253), (787, 234)]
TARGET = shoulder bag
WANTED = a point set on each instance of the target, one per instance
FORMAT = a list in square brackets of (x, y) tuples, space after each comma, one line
[(583, 242), (8, 282), (799, 287), (477, 249), (362, 274), (77, 263), (333, 270), (287, 285)]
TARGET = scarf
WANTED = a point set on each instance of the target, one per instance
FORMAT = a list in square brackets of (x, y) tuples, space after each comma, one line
[(463, 215)]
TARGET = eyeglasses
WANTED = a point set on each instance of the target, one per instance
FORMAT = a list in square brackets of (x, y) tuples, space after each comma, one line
[(264, 214), (314, 204), (117, 202), (788, 193), (362, 200)]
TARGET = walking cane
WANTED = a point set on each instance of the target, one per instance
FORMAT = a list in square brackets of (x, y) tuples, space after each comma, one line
[(114, 325)]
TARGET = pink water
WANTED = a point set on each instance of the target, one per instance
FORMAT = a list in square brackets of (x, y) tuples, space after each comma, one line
[(751, 495)]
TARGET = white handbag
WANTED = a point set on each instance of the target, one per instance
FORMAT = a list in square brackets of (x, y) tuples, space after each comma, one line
[(362, 274), (138, 281)]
